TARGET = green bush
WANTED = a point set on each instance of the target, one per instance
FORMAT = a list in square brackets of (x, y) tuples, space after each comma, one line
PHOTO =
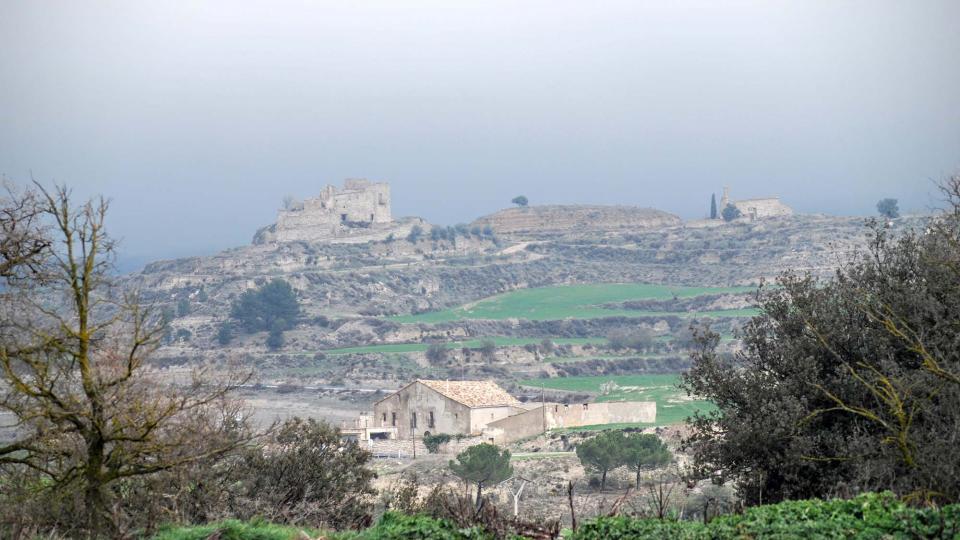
[(433, 442), (874, 515), (396, 526), (615, 528), (871, 516), (273, 306), (225, 334), (415, 233)]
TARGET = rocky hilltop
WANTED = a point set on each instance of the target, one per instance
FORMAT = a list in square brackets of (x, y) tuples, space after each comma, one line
[(349, 291), (353, 277), (359, 212), (562, 219)]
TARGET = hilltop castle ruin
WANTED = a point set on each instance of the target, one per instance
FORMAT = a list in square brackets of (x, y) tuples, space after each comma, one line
[(358, 212)]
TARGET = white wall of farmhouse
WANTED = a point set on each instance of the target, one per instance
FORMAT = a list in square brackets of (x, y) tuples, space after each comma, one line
[(417, 408)]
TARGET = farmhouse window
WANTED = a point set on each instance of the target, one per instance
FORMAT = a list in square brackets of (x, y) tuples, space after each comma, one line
[(430, 422), (393, 419), (413, 420), (384, 418)]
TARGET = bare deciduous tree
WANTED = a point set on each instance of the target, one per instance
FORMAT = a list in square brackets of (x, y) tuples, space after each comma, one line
[(89, 412), (22, 237)]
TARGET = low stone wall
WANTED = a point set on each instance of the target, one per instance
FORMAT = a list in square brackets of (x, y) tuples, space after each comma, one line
[(563, 218), (403, 448), (557, 415), (394, 448)]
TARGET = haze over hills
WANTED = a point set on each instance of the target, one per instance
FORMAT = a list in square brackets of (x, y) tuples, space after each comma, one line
[(213, 121)]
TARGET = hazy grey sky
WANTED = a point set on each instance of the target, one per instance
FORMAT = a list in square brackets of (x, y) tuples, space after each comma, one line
[(196, 118)]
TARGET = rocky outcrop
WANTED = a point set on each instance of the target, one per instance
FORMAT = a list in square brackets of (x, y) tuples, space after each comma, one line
[(574, 218)]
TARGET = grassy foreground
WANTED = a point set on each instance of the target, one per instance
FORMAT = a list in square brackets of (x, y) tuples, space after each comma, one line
[(872, 516), (673, 405), (576, 302)]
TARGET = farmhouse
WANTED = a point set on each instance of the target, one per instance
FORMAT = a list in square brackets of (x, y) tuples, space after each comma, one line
[(484, 410), (455, 407)]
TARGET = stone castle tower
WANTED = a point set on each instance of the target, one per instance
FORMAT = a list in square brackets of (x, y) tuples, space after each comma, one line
[(360, 201), (724, 200), (358, 211)]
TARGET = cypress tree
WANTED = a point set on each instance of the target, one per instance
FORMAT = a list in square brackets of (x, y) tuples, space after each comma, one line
[(713, 206)]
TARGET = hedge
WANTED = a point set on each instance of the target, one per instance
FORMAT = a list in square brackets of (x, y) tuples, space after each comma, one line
[(870, 516)]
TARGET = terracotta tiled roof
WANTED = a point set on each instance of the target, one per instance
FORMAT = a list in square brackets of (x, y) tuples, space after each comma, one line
[(472, 393)]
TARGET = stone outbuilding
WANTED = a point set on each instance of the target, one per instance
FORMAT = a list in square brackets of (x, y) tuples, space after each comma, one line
[(755, 208), (454, 407)]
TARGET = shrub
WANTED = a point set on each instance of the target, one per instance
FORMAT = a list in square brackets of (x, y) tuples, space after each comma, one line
[(433, 442), (488, 350), (183, 307), (275, 339), (272, 305), (225, 334), (872, 515), (730, 213), (331, 486), (437, 354), (394, 526), (636, 339), (415, 233)]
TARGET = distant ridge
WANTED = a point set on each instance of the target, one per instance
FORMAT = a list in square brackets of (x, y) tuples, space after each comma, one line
[(574, 218)]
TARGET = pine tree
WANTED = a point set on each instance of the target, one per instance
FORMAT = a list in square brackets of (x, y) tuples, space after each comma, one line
[(484, 465)]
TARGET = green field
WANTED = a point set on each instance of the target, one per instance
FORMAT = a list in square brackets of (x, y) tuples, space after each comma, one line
[(577, 302), (470, 344), (673, 405)]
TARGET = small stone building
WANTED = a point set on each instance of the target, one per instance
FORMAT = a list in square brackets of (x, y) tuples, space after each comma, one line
[(454, 407), (756, 208)]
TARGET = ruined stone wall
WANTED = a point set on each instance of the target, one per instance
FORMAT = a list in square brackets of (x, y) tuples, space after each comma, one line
[(558, 415), (361, 208), (403, 448), (761, 208), (574, 218)]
